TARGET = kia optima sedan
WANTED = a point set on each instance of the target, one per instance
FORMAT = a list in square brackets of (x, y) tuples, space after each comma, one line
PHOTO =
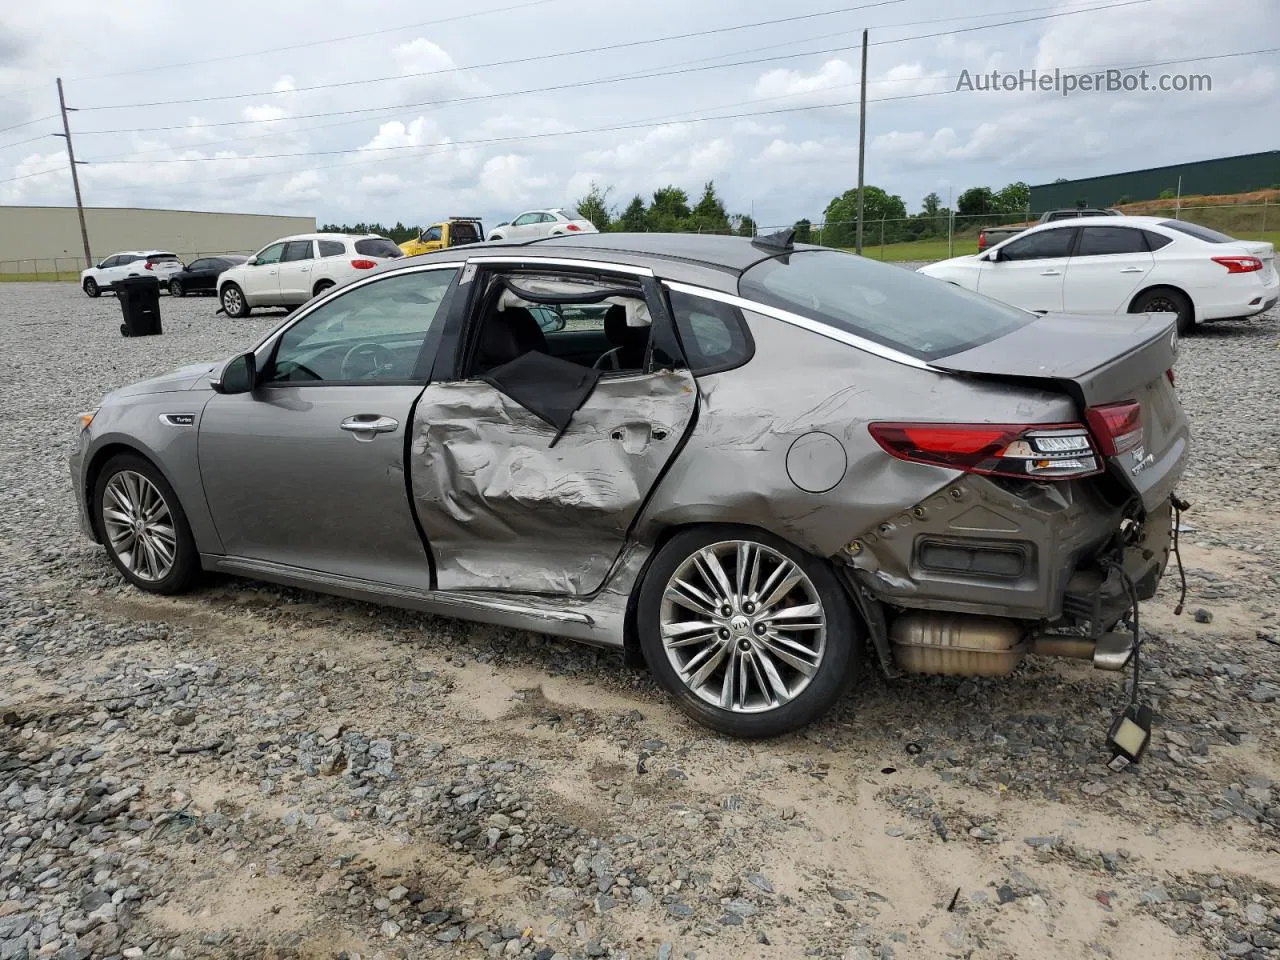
[(745, 463)]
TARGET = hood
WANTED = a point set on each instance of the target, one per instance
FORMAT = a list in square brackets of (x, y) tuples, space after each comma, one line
[(184, 378), (967, 258)]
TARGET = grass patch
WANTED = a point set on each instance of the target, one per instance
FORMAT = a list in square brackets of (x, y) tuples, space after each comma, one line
[(69, 276)]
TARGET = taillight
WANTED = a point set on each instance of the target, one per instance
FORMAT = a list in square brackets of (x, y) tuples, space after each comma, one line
[(1116, 426), (982, 241), (150, 265), (1169, 373), (1025, 451), (573, 227), (364, 264), (1239, 264)]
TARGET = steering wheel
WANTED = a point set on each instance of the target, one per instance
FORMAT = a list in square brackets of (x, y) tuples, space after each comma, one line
[(373, 356)]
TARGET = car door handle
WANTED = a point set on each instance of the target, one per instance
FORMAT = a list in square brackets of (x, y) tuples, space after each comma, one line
[(1133, 270), (367, 424), (1050, 273)]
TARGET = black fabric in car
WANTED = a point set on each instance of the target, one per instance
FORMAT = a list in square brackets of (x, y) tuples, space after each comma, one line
[(630, 342), (506, 335), (548, 387)]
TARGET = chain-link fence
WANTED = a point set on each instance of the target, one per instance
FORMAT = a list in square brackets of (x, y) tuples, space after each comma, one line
[(925, 236)]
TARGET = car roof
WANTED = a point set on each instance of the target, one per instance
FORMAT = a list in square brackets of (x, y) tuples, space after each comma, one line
[(1104, 221), (705, 259), (142, 253), (329, 236)]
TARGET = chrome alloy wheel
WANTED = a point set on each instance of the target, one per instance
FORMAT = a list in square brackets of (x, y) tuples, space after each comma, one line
[(1161, 305), (232, 301), (139, 527), (743, 626)]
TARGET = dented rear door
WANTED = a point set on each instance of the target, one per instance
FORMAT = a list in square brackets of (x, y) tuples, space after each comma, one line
[(504, 509)]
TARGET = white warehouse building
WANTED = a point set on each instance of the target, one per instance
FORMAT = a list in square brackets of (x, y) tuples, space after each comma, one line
[(47, 234)]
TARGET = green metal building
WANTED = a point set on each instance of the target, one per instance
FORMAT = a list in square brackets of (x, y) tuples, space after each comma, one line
[(1253, 171)]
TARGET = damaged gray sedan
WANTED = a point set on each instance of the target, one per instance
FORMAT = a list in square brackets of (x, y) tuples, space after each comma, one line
[(743, 462)]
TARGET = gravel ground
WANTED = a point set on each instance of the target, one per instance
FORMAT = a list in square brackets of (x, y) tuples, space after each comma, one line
[(252, 771)]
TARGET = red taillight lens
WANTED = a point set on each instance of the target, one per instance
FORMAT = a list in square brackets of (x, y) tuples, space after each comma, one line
[(1169, 373), (1239, 264), (150, 265), (1116, 426), (364, 264), (1026, 451), (982, 241), (573, 227)]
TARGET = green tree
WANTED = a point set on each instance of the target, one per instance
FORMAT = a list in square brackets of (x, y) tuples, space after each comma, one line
[(804, 231), (709, 215), (744, 226), (1168, 193), (932, 203), (669, 211), (841, 217), (595, 207), (635, 218), (1014, 198), (976, 202)]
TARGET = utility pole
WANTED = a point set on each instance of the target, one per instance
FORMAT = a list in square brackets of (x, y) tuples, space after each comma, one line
[(75, 177), (862, 140)]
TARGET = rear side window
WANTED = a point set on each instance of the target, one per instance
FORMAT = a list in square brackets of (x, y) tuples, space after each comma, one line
[(464, 233), (713, 334), (1156, 240), (1100, 241), (377, 247), (1044, 245), (332, 248), (1197, 231), (296, 250), (897, 308)]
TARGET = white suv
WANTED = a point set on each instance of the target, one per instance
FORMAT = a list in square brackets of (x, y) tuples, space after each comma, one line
[(132, 263), (292, 270)]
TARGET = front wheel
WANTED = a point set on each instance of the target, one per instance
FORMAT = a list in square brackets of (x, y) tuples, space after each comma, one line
[(91, 287), (143, 526), (749, 635), (175, 289), (1167, 300), (496, 236), (234, 302)]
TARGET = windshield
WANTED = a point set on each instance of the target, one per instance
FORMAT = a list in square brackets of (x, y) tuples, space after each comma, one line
[(892, 306), (1197, 231)]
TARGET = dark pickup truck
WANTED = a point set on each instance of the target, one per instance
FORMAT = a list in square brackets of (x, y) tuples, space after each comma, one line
[(990, 236)]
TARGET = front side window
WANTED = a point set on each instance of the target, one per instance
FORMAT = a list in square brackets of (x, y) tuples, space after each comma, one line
[(525, 219), (901, 309), (373, 333), (1103, 241), (271, 254), (198, 265), (1044, 245), (296, 250), (713, 334), (432, 234)]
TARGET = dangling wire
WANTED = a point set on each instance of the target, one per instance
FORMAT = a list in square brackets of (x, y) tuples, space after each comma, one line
[(1131, 591), (1179, 506)]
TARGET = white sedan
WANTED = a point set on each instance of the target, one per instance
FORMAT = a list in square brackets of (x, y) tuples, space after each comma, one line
[(1123, 265), (292, 270), (552, 222)]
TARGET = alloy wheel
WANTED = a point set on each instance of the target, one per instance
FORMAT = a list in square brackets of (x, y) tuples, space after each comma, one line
[(1161, 305), (743, 626), (139, 526)]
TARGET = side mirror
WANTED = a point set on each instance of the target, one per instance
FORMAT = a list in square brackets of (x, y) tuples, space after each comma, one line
[(240, 375), (98, 266), (251, 262)]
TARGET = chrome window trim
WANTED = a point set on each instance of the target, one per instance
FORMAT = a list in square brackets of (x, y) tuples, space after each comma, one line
[(813, 326), (566, 262), (301, 312)]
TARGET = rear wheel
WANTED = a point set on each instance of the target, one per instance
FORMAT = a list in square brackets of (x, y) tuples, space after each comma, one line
[(234, 302), (749, 635), (91, 287), (143, 526), (321, 287), (1167, 300)]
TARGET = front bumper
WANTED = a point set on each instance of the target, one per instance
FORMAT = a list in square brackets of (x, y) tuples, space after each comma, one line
[(76, 464)]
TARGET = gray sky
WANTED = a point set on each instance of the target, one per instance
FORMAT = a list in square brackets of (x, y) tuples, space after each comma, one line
[(481, 155)]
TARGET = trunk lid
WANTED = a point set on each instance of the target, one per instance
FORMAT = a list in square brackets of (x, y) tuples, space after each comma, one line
[(1099, 360)]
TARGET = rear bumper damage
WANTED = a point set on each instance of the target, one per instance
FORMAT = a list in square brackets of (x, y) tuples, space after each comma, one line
[(984, 572)]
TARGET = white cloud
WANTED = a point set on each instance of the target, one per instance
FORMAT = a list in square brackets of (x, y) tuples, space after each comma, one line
[(507, 179), (285, 84), (264, 113), (810, 87)]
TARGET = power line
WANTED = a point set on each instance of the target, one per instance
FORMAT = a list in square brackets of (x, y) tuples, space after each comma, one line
[(444, 146), (600, 81), (27, 123), (318, 43), (501, 63), (18, 143)]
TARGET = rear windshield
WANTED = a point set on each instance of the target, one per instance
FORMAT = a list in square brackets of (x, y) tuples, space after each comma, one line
[(892, 306), (570, 213), (463, 232), (160, 257), (1197, 231), (378, 247)]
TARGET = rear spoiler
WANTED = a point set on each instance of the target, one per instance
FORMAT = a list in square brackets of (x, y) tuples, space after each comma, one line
[(464, 219)]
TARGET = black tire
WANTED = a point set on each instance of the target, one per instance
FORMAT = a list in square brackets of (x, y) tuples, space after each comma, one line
[(175, 289), (91, 287), (1167, 300), (836, 670), (238, 306), (321, 287), (185, 568)]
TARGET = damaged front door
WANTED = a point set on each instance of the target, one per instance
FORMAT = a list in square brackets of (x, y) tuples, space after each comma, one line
[(511, 501)]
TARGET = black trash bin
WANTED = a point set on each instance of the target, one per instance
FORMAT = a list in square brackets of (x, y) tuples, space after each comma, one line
[(140, 303)]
